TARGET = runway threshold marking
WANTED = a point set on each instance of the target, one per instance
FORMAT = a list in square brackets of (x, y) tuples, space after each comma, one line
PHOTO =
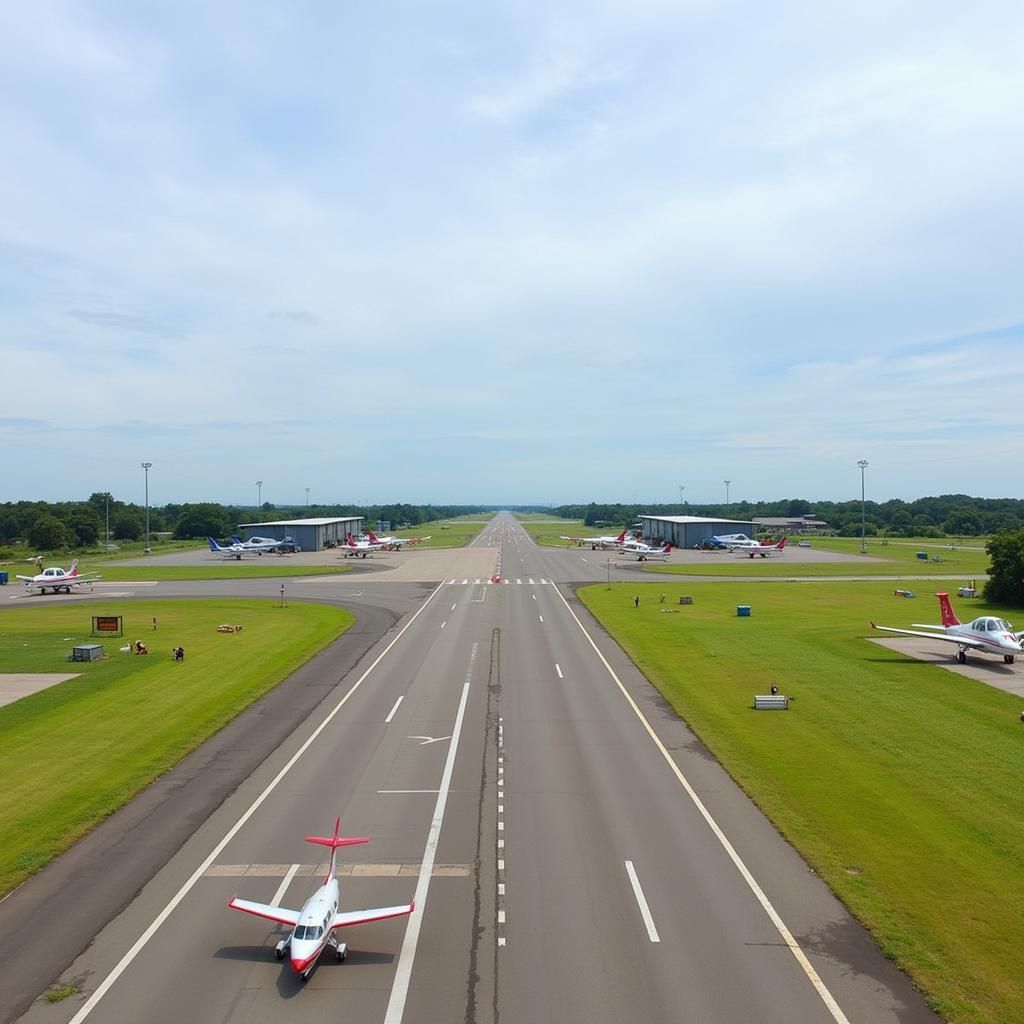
[(122, 965), (391, 713), (645, 910), (403, 972), (780, 926)]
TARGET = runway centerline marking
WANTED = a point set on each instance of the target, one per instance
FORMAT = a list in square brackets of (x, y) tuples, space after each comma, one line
[(403, 972), (645, 910), (391, 713), (780, 926), (558, 669), (140, 943), (283, 887)]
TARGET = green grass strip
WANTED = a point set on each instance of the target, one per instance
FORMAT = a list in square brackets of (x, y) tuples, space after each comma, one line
[(898, 781), (73, 754)]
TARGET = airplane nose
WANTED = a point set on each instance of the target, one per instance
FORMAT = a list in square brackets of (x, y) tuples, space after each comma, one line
[(301, 966)]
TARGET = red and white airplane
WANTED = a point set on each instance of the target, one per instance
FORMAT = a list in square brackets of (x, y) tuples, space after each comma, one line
[(763, 550), (393, 543), (57, 579), (313, 926), (597, 542), (352, 547), (644, 552), (986, 633)]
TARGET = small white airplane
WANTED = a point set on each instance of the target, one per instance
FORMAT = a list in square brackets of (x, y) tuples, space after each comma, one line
[(597, 542), (313, 926), (261, 544), (228, 551), (763, 550), (58, 579), (644, 552), (393, 543), (353, 548), (987, 634), (729, 541)]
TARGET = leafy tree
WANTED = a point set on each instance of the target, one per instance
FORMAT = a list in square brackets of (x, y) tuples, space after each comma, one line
[(85, 525), (961, 521), (1006, 574), (126, 525), (48, 533), (206, 519)]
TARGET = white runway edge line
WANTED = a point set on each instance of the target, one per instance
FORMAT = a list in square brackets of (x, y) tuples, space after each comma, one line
[(780, 926), (125, 961), (403, 973), (641, 900)]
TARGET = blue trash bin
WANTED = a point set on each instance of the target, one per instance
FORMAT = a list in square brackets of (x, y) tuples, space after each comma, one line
[(743, 610), (3, 579)]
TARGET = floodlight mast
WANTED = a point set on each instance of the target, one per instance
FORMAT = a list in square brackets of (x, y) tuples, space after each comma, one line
[(147, 466), (863, 463), (727, 482), (259, 495)]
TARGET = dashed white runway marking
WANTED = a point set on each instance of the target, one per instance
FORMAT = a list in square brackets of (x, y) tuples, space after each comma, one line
[(283, 887), (541, 617), (645, 910), (558, 669), (391, 713)]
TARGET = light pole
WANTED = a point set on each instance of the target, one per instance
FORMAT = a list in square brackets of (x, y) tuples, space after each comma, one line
[(863, 463), (727, 482), (146, 466), (259, 494), (307, 501), (681, 489), (108, 520)]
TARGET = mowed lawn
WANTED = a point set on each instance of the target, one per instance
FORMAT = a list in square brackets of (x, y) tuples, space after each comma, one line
[(262, 568), (447, 533), (547, 531), (900, 782), (72, 754)]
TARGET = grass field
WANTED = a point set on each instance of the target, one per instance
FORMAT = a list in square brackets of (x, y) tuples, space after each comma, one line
[(72, 754), (262, 568), (448, 533), (898, 781), (547, 531), (899, 558)]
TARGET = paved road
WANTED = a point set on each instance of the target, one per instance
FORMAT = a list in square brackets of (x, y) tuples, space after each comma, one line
[(574, 852)]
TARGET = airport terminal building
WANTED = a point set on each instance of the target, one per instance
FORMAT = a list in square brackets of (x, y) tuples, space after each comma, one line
[(309, 534), (689, 531)]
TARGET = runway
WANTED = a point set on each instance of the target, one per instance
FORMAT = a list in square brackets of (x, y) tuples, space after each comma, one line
[(575, 853)]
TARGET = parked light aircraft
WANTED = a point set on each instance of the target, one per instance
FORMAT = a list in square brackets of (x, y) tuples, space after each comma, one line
[(229, 551), (597, 542), (644, 552), (58, 579), (393, 543), (313, 926), (764, 549), (986, 633), (353, 548), (261, 544), (729, 541)]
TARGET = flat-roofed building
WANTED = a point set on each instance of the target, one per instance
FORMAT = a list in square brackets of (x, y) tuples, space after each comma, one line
[(689, 531), (790, 524), (309, 534)]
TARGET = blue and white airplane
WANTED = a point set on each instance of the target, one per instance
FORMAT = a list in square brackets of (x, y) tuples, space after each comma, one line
[(313, 926)]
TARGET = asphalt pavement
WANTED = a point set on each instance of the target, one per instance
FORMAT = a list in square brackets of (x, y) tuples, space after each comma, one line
[(574, 852)]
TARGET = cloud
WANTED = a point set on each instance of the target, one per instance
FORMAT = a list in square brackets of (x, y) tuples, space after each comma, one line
[(295, 316), (119, 321)]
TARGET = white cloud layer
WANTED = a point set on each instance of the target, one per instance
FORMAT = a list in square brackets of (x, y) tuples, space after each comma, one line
[(511, 253)]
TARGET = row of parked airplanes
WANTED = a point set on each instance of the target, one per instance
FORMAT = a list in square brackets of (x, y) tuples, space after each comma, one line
[(238, 548), (632, 546)]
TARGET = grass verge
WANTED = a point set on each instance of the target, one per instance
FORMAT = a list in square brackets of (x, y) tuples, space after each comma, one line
[(898, 781), (72, 754)]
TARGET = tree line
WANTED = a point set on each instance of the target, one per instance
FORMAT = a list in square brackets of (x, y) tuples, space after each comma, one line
[(67, 525), (958, 515)]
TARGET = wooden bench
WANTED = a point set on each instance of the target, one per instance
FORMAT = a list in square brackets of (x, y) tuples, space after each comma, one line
[(771, 702)]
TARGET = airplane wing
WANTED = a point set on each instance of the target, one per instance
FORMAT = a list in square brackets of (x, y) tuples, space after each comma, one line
[(280, 914), (344, 919), (89, 577), (963, 641), (27, 579)]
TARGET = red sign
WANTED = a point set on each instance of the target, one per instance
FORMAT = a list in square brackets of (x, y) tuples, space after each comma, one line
[(107, 623)]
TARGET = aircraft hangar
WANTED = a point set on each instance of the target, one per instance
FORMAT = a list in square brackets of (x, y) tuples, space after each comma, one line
[(309, 534), (689, 531)]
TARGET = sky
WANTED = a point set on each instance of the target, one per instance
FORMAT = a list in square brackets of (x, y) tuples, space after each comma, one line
[(511, 252)]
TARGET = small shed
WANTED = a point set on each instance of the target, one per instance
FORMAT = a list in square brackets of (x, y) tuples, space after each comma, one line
[(87, 652)]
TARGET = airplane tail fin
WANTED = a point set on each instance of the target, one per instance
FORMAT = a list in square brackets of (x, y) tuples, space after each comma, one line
[(334, 842), (781, 544), (621, 537), (73, 571), (667, 548), (214, 546), (371, 535), (948, 616), (235, 540)]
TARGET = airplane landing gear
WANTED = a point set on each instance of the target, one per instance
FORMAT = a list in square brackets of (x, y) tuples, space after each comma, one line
[(279, 949), (961, 656), (340, 949), (1008, 658)]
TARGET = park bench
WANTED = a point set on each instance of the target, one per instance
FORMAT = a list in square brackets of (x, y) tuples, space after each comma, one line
[(771, 702)]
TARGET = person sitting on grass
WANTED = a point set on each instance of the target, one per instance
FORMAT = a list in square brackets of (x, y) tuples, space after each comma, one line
[(141, 648)]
